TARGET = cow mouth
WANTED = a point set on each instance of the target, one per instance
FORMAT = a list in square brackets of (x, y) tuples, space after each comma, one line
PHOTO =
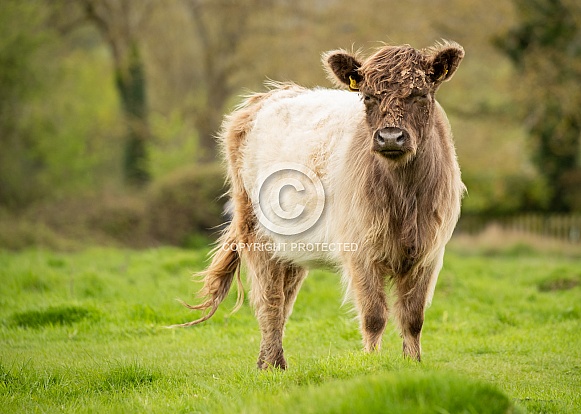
[(392, 154)]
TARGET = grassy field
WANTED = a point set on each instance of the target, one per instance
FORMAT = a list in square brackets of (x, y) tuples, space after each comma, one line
[(84, 332)]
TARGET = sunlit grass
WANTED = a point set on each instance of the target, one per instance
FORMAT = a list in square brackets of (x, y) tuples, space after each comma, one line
[(85, 332)]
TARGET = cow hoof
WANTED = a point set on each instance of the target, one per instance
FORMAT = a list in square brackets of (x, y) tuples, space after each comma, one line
[(278, 363)]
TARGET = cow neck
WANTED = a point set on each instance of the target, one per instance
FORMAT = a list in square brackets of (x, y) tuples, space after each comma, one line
[(411, 194)]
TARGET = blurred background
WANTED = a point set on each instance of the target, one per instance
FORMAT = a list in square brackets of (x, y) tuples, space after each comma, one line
[(108, 108)]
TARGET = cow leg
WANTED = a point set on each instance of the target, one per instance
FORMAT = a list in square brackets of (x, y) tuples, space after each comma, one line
[(414, 293), (268, 299), (273, 311), (368, 286), (293, 279)]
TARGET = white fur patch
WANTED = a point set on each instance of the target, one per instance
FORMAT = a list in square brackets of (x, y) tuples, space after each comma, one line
[(313, 129)]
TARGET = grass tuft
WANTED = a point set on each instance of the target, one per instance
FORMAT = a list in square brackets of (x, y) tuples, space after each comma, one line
[(556, 284), (54, 315), (7, 380), (127, 376), (390, 392)]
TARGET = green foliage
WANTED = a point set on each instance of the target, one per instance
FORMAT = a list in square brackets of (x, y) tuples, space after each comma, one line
[(493, 193), (19, 233), (186, 202), (77, 131), (62, 125), (182, 208), (498, 334), (123, 218), (21, 80), (545, 47), (175, 143), (57, 115), (70, 223)]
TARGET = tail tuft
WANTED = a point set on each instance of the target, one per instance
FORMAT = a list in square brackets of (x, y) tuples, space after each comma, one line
[(218, 280)]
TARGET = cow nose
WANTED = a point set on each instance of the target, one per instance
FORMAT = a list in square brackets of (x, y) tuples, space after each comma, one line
[(390, 139)]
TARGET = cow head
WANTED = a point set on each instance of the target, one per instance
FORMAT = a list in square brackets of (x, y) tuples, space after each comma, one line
[(397, 85)]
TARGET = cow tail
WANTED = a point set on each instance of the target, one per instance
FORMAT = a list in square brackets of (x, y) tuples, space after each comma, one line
[(217, 278)]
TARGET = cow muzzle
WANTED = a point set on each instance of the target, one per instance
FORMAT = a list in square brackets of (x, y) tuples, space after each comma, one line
[(391, 142)]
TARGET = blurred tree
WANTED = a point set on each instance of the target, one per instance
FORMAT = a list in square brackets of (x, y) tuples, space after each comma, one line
[(545, 46), (22, 38), (57, 111), (221, 28), (121, 23)]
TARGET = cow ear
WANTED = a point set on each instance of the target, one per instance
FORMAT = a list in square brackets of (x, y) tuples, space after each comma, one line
[(443, 60), (343, 69)]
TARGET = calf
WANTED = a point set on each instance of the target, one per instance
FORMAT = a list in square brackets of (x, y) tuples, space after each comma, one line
[(364, 180)]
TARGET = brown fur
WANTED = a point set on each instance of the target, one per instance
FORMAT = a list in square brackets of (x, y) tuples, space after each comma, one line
[(405, 208), (406, 221)]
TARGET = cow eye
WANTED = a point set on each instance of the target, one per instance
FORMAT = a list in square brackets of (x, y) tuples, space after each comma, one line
[(369, 99), (418, 95)]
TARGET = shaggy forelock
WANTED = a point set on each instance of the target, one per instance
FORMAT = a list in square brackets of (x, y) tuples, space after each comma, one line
[(395, 70)]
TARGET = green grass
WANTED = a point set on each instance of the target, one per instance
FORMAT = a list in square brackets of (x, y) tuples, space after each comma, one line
[(85, 332)]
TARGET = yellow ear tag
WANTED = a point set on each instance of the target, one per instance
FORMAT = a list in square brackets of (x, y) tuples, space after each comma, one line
[(443, 75), (353, 84)]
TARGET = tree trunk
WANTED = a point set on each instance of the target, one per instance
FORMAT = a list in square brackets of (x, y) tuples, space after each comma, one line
[(130, 80), (118, 22)]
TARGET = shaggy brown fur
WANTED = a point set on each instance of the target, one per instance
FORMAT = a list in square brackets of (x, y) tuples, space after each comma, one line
[(403, 209), (406, 220)]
